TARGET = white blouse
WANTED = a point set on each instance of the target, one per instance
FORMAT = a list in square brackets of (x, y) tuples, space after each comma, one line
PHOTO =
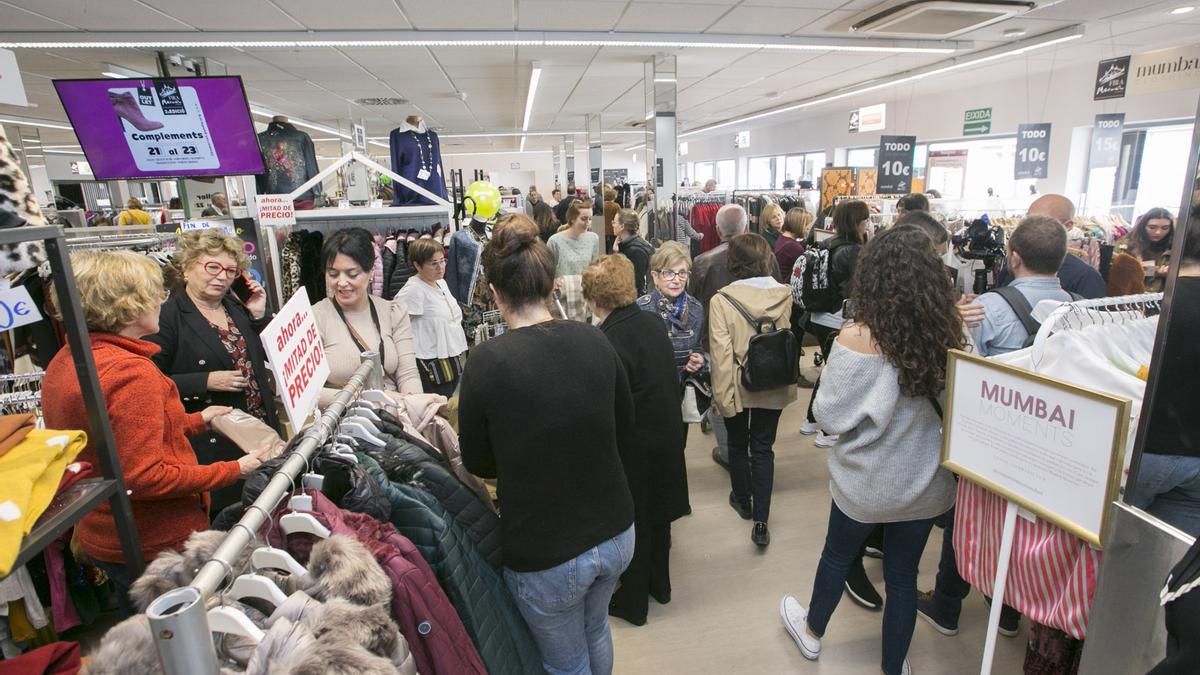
[(436, 319)]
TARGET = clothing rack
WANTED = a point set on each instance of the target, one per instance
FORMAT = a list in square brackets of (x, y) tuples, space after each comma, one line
[(1119, 309), (178, 618), (21, 393), (121, 241)]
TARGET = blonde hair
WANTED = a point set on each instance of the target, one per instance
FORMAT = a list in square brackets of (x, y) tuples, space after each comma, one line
[(768, 212), (608, 282), (195, 244), (670, 254), (133, 203), (116, 288), (797, 221)]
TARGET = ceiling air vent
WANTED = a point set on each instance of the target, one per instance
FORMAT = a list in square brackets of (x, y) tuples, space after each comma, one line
[(381, 101), (930, 19)]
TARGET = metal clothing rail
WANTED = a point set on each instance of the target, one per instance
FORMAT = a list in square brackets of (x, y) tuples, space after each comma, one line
[(1118, 309), (179, 618)]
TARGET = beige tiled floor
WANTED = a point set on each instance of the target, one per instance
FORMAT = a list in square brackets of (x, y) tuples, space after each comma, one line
[(724, 615)]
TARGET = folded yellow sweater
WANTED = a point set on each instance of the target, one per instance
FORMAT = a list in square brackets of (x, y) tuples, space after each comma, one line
[(29, 477)]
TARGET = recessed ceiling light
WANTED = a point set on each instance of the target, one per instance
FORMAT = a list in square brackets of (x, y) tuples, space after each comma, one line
[(1014, 32), (1182, 10)]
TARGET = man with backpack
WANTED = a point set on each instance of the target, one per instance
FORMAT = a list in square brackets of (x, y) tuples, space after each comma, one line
[(1036, 250)]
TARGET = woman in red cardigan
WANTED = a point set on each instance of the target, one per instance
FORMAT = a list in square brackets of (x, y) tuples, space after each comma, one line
[(121, 293)]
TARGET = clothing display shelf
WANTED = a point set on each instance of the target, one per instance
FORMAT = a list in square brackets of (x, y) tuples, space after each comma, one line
[(440, 206), (178, 618), (72, 505)]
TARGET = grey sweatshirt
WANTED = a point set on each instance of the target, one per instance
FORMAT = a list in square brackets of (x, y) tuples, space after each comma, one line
[(886, 465)]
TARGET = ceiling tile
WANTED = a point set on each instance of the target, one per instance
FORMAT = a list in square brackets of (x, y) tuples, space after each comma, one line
[(240, 15), (99, 14), (459, 14), (685, 17), (357, 15), (474, 56), (569, 14), (765, 20)]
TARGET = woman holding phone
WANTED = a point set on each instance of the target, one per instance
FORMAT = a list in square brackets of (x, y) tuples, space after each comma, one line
[(209, 340)]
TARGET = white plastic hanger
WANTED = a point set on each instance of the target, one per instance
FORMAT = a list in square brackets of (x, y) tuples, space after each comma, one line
[(356, 430), (362, 420), (270, 558), (234, 622), (256, 586), (377, 396), (361, 409), (291, 523)]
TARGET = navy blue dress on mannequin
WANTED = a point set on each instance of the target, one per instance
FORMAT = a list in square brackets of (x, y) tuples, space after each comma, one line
[(417, 156)]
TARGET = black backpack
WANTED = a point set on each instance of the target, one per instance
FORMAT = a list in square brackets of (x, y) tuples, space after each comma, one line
[(813, 285), (1020, 306), (773, 357)]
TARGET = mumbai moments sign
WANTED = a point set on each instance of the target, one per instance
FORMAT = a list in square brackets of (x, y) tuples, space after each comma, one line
[(1049, 446)]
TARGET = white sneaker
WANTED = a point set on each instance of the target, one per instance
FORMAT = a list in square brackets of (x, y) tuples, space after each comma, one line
[(809, 428), (824, 440), (907, 670), (795, 620)]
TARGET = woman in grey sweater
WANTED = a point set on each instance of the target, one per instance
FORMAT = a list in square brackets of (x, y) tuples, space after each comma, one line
[(879, 392)]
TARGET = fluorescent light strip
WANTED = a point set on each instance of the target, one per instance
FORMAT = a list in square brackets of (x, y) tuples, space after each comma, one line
[(510, 152), (1039, 42), (20, 121), (243, 40), (534, 77)]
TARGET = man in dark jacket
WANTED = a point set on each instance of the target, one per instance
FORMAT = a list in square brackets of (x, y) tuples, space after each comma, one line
[(1076, 276), (632, 246)]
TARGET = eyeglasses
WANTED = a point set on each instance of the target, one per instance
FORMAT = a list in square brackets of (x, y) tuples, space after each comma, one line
[(215, 269), (672, 275), (437, 263)]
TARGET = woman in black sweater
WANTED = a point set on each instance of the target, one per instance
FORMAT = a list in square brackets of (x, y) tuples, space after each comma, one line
[(545, 408)]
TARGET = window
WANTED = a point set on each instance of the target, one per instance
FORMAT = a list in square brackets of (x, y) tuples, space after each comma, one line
[(726, 174), (704, 172), (861, 157), (760, 173), (1161, 178)]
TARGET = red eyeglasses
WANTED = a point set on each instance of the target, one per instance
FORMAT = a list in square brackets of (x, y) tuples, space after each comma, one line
[(215, 269)]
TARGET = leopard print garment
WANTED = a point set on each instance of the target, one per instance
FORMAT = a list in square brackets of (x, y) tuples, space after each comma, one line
[(16, 199)]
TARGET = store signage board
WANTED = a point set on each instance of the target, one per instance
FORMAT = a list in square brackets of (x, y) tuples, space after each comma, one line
[(1051, 447), (12, 89), (226, 227), (977, 122), (17, 308), (895, 164), (741, 140), (1033, 151), (1106, 140), (276, 211), (297, 357), (870, 118), (359, 134), (1112, 78)]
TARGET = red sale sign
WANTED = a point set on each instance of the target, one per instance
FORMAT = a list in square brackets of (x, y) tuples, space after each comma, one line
[(297, 358)]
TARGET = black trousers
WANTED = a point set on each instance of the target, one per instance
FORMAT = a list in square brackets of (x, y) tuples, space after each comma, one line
[(752, 457), (649, 573), (825, 335)]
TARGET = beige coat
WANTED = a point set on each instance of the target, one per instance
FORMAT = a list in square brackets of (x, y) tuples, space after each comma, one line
[(399, 363), (729, 338)]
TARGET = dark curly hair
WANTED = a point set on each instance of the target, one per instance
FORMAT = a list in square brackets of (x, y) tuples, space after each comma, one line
[(901, 293)]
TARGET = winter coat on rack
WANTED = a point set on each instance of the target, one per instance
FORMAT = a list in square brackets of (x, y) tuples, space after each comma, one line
[(427, 619), (312, 277), (346, 484), (461, 261), (437, 438), (378, 272), (400, 271), (404, 462), (659, 483), (191, 349), (473, 585)]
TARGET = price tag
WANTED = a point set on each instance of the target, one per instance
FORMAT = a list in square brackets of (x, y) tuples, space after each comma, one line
[(377, 203), (1106, 140), (895, 164), (164, 126), (423, 174), (17, 308), (343, 203), (1033, 151)]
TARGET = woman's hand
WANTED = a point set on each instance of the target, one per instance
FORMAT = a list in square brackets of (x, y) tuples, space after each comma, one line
[(257, 304), (694, 363), (214, 411), (972, 313), (1162, 270), (227, 380), (248, 463)]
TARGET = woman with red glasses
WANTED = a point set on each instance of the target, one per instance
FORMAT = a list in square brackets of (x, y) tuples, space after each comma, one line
[(210, 344)]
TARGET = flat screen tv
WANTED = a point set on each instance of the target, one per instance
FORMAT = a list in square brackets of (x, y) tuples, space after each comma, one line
[(163, 127)]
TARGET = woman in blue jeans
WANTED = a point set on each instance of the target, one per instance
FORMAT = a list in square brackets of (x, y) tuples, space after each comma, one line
[(553, 432), (880, 392)]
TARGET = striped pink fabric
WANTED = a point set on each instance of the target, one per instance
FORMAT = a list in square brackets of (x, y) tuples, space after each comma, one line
[(1051, 575)]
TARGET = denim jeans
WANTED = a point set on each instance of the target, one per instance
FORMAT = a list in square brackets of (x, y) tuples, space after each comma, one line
[(903, 542), (1168, 487), (566, 606), (752, 457), (825, 335), (719, 433)]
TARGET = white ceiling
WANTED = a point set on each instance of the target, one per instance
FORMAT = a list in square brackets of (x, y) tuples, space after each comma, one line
[(320, 84)]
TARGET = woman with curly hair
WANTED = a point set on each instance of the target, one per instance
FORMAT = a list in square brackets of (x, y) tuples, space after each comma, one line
[(880, 392)]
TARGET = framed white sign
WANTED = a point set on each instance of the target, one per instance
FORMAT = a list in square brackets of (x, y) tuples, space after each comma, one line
[(1049, 446)]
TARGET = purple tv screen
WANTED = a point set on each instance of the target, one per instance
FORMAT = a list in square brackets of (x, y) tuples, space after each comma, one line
[(163, 127)]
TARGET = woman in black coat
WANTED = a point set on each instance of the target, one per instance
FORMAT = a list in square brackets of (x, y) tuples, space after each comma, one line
[(658, 477), (210, 345)]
